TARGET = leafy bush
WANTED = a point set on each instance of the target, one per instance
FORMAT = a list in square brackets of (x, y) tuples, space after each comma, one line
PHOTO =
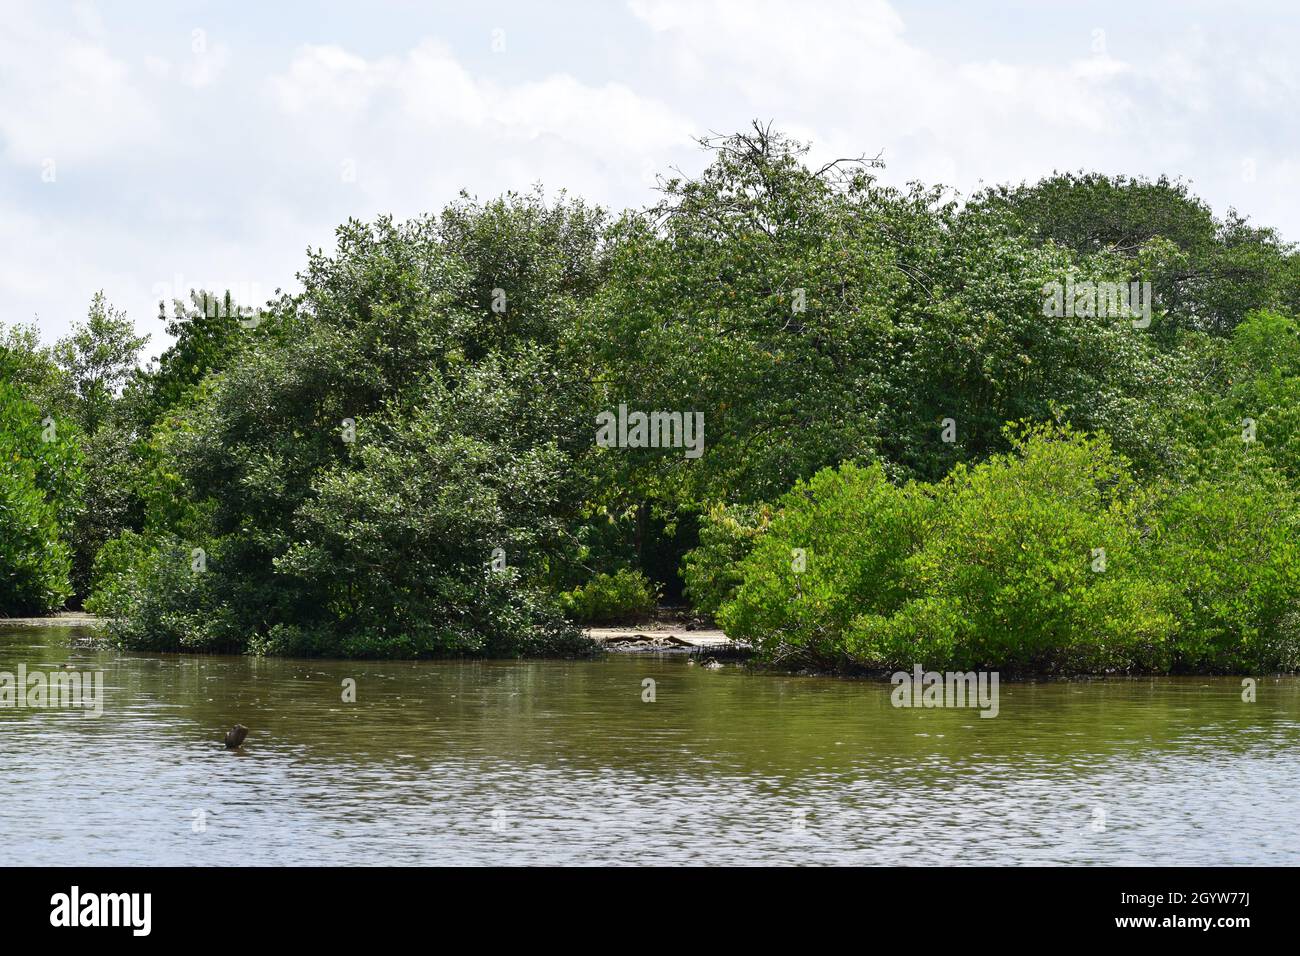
[(1232, 548), (492, 617), (34, 564), (832, 549), (624, 597), (40, 483), (1048, 558), (1029, 560), (157, 599), (997, 565), (727, 534)]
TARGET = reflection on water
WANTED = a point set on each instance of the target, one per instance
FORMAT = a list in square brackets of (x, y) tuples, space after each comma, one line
[(562, 762)]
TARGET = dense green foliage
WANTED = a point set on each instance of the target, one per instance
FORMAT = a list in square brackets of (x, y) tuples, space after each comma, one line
[(1051, 557), (341, 484), (40, 480), (610, 598), (711, 572), (902, 455)]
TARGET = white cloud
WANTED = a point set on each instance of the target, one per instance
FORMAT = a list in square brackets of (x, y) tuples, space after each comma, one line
[(65, 96), (205, 65), (848, 71), (403, 134), (221, 157), (230, 189), (434, 97)]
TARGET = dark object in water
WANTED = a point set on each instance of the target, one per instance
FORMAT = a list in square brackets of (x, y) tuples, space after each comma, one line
[(235, 736)]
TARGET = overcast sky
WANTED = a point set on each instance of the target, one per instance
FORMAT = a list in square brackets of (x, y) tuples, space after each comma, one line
[(145, 145)]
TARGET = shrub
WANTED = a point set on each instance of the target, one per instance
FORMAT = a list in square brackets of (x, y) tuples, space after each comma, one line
[(39, 483), (155, 599), (34, 564), (834, 547), (1232, 548), (1032, 560), (727, 534), (625, 596), (996, 566)]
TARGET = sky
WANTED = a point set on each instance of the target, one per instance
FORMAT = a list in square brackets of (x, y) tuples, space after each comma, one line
[(150, 147)]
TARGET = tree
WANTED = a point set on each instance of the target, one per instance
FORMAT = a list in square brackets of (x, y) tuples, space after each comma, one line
[(759, 295), (1207, 273), (94, 362), (349, 472), (207, 332), (98, 357), (39, 485)]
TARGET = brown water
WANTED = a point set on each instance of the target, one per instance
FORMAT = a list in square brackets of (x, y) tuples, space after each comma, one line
[(563, 762)]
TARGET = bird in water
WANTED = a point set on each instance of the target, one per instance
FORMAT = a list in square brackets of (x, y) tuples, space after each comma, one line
[(235, 736)]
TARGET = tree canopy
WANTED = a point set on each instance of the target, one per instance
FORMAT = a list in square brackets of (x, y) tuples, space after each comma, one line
[(848, 419)]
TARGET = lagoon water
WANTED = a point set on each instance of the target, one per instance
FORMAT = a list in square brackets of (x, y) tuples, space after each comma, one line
[(563, 762)]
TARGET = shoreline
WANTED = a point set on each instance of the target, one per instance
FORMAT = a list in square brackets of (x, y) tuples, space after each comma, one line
[(658, 638), (662, 637), (60, 619)]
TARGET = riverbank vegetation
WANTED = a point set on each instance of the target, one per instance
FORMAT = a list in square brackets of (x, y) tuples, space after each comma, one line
[(908, 455)]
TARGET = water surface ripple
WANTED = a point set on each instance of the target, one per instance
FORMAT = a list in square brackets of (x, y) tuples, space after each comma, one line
[(562, 762)]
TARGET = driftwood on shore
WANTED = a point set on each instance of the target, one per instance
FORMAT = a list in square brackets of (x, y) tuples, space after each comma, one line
[(665, 636)]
